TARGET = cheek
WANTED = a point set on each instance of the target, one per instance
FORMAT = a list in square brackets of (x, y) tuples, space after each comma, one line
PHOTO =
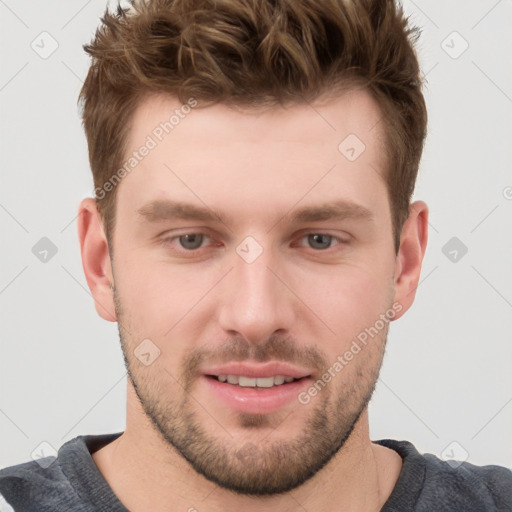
[(347, 298), (158, 299)]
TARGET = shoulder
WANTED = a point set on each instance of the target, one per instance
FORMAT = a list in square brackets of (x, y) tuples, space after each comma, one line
[(434, 484), (26, 484), (483, 487), (70, 481), (31, 480), (39, 485)]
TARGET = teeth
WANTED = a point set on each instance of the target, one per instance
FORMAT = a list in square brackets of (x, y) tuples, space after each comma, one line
[(252, 382), (246, 381), (232, 379), (279, 379), (265, 382)]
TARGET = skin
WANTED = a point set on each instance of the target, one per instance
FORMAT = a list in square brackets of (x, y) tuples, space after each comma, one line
[(295, 303)]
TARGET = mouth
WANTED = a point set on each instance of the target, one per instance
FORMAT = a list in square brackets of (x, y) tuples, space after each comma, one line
[(245, 381), (255, 389)]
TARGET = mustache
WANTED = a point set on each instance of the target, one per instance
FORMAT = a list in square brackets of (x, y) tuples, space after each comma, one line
[(239, 349)]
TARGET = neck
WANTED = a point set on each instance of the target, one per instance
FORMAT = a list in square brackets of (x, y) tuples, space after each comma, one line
[(146, 473)]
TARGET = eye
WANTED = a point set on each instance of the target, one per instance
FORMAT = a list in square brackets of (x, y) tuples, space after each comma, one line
[(187, 242), (321, 241), (191, 241)]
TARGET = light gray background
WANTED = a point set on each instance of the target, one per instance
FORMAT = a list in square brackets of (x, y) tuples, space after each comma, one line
[(447, 373)]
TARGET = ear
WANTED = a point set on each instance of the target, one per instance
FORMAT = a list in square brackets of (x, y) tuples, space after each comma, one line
[(413, 243), (96, 258)]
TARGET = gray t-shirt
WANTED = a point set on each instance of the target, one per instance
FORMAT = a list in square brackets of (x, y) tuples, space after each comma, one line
[(73, 483)]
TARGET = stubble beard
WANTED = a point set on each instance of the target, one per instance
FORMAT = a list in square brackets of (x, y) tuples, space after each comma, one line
[(267, 465)]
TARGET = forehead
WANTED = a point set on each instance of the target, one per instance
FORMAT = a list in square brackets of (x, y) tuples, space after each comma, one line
[(259, 157), (323, 122)]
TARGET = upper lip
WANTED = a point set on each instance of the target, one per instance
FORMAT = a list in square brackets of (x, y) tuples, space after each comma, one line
[(270, 369)]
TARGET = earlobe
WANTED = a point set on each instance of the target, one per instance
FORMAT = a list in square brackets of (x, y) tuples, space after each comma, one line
[(413, 244), (96, 258)]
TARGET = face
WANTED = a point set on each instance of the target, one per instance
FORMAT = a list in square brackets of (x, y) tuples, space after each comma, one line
[(254, 256)]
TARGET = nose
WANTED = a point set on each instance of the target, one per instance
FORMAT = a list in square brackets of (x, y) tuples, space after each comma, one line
[(256, 299)]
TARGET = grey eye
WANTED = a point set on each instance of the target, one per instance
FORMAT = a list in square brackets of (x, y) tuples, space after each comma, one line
[(320, 241), (191, 241)]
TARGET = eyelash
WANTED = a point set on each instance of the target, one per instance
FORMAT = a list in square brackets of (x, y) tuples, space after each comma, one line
[(168, 241)]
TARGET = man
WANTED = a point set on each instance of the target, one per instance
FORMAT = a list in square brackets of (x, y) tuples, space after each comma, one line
[(252, 235)]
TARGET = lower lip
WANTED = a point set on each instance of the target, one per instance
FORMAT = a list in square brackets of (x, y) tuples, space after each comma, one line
[(256, 400)]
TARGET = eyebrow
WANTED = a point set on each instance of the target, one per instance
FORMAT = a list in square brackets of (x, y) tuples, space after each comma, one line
[(161, 210)]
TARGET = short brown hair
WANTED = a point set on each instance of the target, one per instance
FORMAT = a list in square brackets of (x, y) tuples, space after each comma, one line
[(254, 52)]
